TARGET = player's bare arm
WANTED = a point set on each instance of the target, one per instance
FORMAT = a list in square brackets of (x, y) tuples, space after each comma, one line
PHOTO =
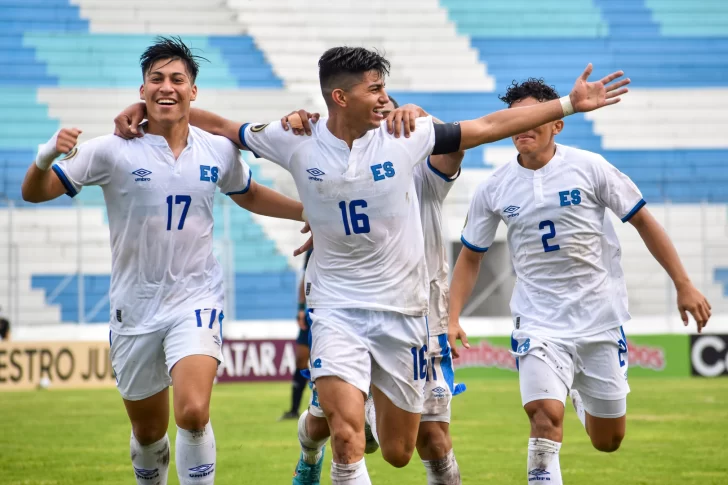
[(259, 199), (689, 299), (42, 184), (464, 277), (585, 96)]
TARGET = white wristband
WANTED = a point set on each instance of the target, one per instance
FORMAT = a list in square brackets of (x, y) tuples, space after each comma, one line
[(566, 105), (47, 153)]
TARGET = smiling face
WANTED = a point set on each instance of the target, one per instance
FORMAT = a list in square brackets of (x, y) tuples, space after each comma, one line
[(168, 90), (539, 139), (366, 100)]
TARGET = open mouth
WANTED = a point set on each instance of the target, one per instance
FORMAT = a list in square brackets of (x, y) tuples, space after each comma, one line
[(381, 112), (166, 102)]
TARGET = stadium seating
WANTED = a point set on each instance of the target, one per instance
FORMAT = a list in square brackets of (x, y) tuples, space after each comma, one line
[(75, 63)]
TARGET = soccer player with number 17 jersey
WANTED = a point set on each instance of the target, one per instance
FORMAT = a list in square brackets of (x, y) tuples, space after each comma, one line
[(570, 299)]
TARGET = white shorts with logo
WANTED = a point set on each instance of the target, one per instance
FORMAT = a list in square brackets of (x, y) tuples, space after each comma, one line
[(363, 347), (440, 384), (142, 363), (596, 366)]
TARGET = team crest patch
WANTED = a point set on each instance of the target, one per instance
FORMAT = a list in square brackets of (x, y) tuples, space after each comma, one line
[(257, 128), (70, 154)]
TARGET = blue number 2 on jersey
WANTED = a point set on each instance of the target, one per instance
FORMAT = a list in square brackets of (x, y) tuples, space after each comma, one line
[(178, 199), (549, 235), (359, 222)]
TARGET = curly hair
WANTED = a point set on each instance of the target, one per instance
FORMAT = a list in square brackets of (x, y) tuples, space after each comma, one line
[(531, 88), (173, 49)]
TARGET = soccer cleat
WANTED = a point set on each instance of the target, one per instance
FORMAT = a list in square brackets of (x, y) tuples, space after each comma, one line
[(288, 415), (307, 474)]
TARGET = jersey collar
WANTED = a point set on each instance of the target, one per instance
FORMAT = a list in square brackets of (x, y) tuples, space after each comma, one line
[(329, 138), (552, 165), (157, 140)]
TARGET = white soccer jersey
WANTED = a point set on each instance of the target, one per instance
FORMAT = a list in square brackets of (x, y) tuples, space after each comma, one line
[(432, 187), (363, 210), (569, 279), (160, 220)]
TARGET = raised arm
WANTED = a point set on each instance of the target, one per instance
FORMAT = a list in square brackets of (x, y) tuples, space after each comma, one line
[(689, 299), (40, 183), (585, 96)]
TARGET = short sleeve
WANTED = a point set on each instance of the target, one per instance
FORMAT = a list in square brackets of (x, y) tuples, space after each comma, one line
[(236, 176), (617, 191), (269, 141), (87, 164), (421, 142), (435, 181), (481, 222)]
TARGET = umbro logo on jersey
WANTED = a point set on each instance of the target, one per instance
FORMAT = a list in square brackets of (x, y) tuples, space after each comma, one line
[(511, 210), (142, 175), (315, 174)]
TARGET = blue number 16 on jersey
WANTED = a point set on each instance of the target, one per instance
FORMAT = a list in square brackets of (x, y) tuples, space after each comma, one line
[(359, 222)]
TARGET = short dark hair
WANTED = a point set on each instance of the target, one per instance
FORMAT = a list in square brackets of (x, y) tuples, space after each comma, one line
[(342, 67), (174, 49), (394, 101), (531, 88)]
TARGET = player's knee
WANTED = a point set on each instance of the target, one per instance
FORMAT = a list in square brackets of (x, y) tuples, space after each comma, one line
[(193, 415), (398, 455), (544, 422), (147, 433), (433, 441), (347, 439), (317, 428), (609, 443)]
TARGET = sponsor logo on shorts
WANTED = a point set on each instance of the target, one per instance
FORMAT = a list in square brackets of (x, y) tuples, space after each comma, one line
[(439, 392), (317, 364), (216, 338), (144, 474), (539, 475), (523, 348), (202, 470)]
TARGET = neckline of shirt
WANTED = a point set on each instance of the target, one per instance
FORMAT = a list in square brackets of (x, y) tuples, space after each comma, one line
[(159, 140), (552, 165), (331, 139)]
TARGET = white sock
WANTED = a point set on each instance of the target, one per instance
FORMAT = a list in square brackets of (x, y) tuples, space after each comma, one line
[(195, 455), (150, 462), (578, 406), (444, 471), (351, 474), (370, 416), (311, 450), (543, 461)]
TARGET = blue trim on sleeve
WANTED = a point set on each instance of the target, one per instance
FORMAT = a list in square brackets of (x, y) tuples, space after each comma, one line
[(442, 175), (70, 190), (634, 210), (472, 247), (247, 187), (241, 135)]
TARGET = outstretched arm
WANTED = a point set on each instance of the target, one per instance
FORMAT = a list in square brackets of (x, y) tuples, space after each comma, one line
[(689, 299), (585, 96), (259, 199)]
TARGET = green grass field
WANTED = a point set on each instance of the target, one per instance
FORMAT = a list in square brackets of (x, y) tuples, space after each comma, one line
[(677, 433)]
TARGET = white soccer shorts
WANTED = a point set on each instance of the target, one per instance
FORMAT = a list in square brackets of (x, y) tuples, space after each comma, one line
[(363, 347), (596, 366), (142, 363), (440, 384)]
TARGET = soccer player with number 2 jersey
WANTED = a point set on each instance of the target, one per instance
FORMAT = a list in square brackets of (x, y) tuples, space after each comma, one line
[(570, 299)]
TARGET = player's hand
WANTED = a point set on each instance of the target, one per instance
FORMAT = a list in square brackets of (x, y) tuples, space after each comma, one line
[(454, 333), (588, 96), (301, 319), (690, 300), (404, 116), (126, 124), (66, 140), (299, 121), (308, 244)]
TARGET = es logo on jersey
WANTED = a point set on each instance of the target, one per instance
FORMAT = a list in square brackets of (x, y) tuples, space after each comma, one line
[(142, 175), (512, 211), (315, 173)]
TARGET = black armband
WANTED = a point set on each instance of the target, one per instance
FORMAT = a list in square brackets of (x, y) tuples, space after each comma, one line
[(447, 138)]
